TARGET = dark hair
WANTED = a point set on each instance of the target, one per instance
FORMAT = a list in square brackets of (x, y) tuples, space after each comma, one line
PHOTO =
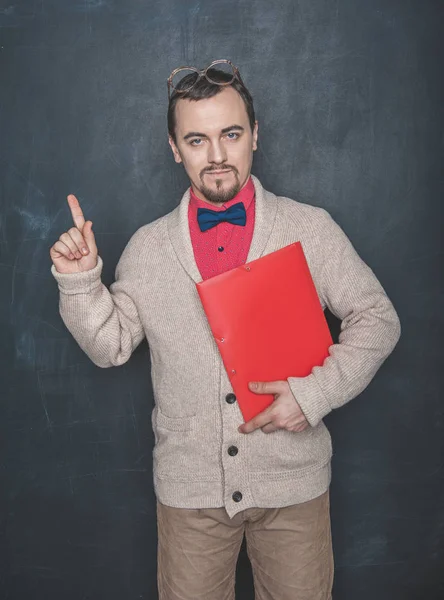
[(205, 89)]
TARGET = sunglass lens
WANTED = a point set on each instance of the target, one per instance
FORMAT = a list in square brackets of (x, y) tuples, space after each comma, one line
[(184, 79), (225, 68)]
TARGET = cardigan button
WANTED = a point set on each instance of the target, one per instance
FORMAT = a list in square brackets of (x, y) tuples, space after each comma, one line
[(230, 398), (237, 496), (221, 248), (232, 450)]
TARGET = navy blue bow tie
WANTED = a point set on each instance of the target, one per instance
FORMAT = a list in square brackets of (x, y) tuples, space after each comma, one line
[(208, 218)]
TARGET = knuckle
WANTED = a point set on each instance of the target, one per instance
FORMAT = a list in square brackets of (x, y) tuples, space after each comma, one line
[(274, 416)]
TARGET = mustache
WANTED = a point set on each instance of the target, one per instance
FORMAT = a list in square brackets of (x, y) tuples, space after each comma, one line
[(223, 168)]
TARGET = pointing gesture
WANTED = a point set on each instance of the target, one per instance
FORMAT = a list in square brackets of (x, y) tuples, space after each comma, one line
[(76, 212), (76, 250)]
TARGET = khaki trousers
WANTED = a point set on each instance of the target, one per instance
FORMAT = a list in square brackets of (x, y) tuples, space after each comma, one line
[(289, 548)]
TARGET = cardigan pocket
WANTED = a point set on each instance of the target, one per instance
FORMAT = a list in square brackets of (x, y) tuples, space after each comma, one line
[(179, 454), (172, 423)]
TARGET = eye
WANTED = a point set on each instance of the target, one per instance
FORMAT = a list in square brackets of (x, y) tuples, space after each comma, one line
[(233, 133), (195, 140)]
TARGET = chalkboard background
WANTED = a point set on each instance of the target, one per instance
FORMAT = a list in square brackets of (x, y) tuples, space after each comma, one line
[(348, 95)]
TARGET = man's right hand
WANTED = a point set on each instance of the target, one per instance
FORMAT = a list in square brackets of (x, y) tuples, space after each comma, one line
[(75, 251)]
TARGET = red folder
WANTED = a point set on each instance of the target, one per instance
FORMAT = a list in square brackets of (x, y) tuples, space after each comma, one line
[(267, 321)]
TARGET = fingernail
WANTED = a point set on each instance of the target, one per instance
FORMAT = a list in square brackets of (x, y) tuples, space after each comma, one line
[(253, 385), (85, 251), (71, 256)]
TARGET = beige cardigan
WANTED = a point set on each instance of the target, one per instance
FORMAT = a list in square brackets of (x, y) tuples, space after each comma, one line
[(194, 422)]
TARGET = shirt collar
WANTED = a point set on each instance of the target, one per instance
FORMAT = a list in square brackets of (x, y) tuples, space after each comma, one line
[(245, 195)]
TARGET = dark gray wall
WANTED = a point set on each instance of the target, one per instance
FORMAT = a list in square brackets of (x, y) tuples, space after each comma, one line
[(349, 98)]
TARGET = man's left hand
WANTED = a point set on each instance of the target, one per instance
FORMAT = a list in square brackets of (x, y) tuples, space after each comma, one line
[(283, 413)]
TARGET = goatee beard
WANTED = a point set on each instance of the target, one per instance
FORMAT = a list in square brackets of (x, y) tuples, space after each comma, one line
[(220, 195)]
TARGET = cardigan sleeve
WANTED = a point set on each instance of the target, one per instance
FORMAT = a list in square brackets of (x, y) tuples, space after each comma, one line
[(104, 322), (370, 327)]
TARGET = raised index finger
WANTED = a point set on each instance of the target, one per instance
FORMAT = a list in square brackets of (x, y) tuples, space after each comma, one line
[(76, 211)]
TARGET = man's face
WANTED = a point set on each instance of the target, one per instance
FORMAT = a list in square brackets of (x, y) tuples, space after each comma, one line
[(215, 143)]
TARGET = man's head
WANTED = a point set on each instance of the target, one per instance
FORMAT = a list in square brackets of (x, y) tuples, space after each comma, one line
[(213, 132)]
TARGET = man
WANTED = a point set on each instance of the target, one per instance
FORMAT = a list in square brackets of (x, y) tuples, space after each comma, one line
[(215, 477)]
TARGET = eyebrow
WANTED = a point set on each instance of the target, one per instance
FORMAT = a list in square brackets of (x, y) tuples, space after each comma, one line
[(203, 135)]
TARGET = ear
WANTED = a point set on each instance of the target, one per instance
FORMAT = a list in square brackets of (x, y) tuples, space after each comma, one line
[(256, 127), (176, 153)]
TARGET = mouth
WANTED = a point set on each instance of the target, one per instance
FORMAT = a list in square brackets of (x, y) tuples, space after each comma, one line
[(218, 172)]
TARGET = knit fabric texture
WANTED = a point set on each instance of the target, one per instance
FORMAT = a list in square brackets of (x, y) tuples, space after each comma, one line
[(154, 296)]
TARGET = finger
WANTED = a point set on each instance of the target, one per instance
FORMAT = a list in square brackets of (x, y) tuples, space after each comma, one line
[(269, 428), (301, 427), (60, 249), (258, 421), (267, 387), (89, 236), (76, 212), (68, 241), (79, 241)]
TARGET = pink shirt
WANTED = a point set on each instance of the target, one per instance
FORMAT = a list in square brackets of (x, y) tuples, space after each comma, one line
[(224, 246)]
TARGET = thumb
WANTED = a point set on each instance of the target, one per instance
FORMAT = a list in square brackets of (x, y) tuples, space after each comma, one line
[(267, 387), (89, 236)]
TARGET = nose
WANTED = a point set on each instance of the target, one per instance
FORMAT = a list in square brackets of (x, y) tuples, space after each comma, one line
[(217, 153)]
